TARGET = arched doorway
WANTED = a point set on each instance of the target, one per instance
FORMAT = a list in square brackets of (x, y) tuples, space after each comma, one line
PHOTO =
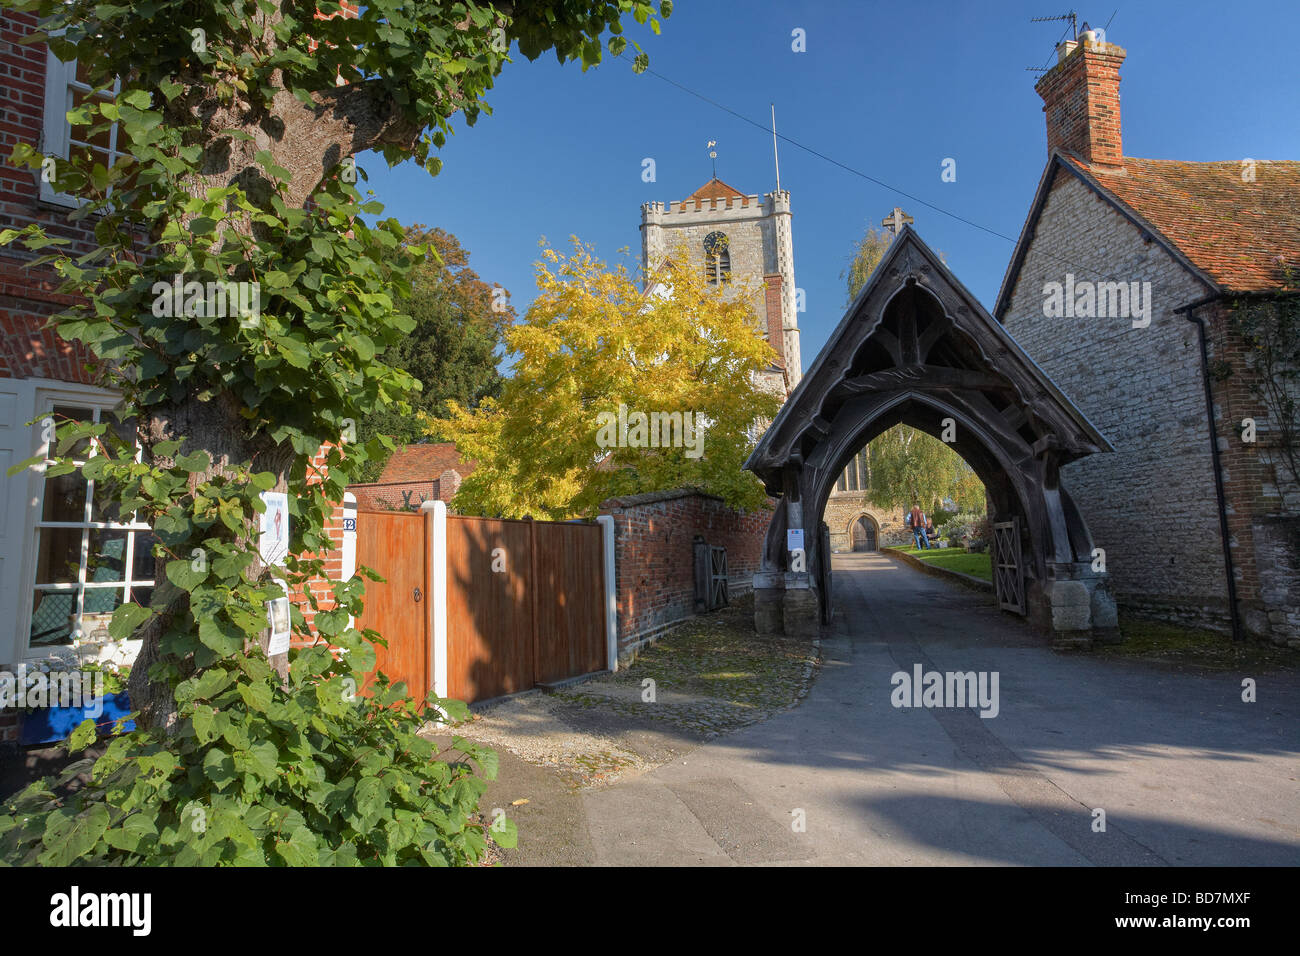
[(864, 533), (917, 348)]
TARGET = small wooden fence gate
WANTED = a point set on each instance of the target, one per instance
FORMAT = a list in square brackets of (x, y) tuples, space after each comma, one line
[(476, 608), (1008, 580)]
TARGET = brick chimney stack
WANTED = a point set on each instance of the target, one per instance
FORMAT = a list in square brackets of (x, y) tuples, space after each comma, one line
[(1081, 99)]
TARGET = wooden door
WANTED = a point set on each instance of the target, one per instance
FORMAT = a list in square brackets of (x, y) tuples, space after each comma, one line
[(394, 546)]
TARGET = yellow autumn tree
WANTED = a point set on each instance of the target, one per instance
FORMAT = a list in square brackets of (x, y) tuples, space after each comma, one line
[(616, 391)]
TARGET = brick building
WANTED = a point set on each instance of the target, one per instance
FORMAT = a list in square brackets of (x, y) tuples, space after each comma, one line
[(1121, 288), (62, 570), (413, 475)]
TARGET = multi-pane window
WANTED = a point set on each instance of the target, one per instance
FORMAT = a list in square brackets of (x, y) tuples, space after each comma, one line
[(66, 89), (89, 558), (856, 474)]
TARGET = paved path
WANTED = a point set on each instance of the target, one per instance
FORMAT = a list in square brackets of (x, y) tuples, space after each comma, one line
[(1187, 774)]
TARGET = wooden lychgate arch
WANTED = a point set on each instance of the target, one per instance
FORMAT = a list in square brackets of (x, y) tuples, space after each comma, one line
[(917, 348)]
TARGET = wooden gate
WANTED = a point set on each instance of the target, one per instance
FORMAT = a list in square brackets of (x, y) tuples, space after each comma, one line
[(570, 631), (524, 602), (394, 545), (1008, 580)]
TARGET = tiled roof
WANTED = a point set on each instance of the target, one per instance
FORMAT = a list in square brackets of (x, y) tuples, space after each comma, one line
[(424, 463), (715, 188), (1231, 229)]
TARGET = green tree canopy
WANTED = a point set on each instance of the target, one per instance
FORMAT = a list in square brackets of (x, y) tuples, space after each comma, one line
[(867, 253), (453, 348), (907, 466)]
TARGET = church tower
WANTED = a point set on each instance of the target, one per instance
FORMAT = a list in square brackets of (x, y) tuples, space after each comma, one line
[(731, 236)]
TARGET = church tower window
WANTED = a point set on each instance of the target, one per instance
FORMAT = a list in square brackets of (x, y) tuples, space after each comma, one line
[(717, 258)]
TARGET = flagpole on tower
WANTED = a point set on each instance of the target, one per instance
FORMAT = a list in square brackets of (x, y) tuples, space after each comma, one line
[(713, 155), (775, 157)]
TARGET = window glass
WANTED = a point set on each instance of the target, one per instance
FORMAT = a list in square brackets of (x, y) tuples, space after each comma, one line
[(64, 498), (86, 565), (58, 560)]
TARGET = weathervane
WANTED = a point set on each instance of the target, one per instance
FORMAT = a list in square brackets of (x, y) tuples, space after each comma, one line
[(713, 155)]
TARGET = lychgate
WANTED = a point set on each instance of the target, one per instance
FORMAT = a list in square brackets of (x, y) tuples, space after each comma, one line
[(916, 347)]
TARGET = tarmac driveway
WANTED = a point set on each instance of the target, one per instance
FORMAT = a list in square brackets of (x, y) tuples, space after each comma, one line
[(1185, 771)]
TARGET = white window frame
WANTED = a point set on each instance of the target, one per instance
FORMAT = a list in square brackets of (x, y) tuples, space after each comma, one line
[(101, 400), (60, 82)]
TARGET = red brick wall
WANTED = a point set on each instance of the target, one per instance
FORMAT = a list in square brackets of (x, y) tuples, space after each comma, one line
[(654, 556), (27, 296), (319, 586), (1262, 524), (395, 495)]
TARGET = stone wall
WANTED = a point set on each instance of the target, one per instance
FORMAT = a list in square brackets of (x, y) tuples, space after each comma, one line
[(844, 508), (654, 536), (760, 244), (1152, 504)]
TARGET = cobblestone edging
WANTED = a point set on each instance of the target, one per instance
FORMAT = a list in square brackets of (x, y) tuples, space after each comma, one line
[(966, 580)]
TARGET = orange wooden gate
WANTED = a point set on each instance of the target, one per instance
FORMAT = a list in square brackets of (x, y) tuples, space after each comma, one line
[(525, 601), (393, 544), (570, 633)]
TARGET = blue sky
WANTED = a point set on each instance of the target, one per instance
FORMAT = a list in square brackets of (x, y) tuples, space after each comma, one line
[(890, 89)]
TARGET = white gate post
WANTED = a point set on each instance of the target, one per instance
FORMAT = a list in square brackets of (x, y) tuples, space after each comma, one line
[(606, 523), (435, 517), (348, 554)]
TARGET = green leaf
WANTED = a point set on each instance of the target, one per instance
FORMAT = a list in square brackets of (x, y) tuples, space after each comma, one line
[(82, 737), (70, 835), (257, 696), (126, 619), (219, 767), (183, 574)]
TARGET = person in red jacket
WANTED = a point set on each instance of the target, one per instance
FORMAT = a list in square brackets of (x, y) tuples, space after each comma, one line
[(919, 523)]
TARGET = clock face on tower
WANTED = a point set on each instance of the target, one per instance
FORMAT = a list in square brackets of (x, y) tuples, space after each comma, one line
[(715, 243)]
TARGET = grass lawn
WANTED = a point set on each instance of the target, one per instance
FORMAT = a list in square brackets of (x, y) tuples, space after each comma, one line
[(955, 559)]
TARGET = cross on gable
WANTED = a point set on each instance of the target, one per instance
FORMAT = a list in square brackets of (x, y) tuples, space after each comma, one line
[(895, 221)]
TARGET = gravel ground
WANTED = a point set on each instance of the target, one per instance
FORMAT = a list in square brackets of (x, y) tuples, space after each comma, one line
[(710, 676)]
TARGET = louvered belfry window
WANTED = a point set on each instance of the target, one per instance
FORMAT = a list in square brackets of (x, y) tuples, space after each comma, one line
[(717, 258)]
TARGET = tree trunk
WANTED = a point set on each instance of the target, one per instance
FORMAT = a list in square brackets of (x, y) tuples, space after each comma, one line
[(216, 427)]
